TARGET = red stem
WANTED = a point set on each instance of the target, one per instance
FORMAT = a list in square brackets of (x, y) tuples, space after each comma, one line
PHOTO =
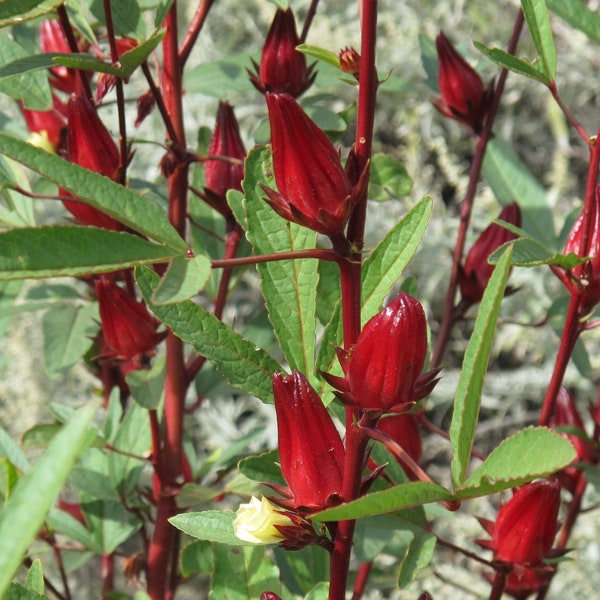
[(310, 14), (361, 580), (450, 315), (193, 30), (107, 568)]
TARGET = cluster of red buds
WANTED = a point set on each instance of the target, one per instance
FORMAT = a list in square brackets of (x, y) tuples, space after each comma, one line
[(475, 274), (523, 535), (282, 69), (584, 280), (464, 96)]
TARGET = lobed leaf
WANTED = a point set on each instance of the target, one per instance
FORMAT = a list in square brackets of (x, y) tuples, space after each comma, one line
[(468, 392)]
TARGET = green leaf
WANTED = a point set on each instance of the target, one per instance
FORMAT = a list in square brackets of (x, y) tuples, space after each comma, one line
[(13, 12), (126, 14), (18, 592), (578, 15), (70, 250), (63, 523), (210, 525), (468, 392), (322, 54), (184, 278), (405, 495), (243, 574), (512, 63), (10, 450), (530, 253), (417, 557), (161, 12), (32, 88), (240, 362), (35, 577), (8, 478), (263, 468), (302, 569), (511, 180), (26, 509), (110, 522), (68, 331), (217, 78), (193, 494), (389, 178), (289, 287), (96, 190), (536, 15), (147, 385), (529, 454), (430, 61), (197, 557), (319, 592)]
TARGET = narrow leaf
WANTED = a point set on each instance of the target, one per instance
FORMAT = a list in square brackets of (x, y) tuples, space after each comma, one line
[(579, 16), (320, 54), (69, 250), (536, 15), (405, 495), (10, 17), (26, 509), (529, 454), (289, 287), (238, 359), (512, 63), (511, 180), (35, 577), (98, 191), (470, 384)]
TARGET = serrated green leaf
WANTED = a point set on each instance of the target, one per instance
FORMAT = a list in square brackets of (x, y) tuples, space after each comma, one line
[(96, 190), (32, 88), (219, 77), (528, 252), (578, 15), (389, 178), (18, 592), (536, 15), (405, 495), (530, 454), (210, 525), (35, 577), (417, 557), (39, 436), (468, 393), (302, 569), (26, 509), (68, 331), (263, 468), (184, 279), (13, 12), (238, 359), (193, 494), (147, 385), (197, 557), (322, 54), (69, 250), (289, 287), (511, 180), (512, 63), (243, 574), (110, 523), (62, 522)]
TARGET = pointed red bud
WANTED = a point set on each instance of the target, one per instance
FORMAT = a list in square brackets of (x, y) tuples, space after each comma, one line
[(585, 278), (350, 62), (226, 141), (90, 145), (145, 104), (463, 94), (106, 81), (49, 125), (476, 272), (383, 369), (314, 189), (311, 451), (53, 40), (567, 415), (404, 430), (526, 525), (129, 329), (282, 68)]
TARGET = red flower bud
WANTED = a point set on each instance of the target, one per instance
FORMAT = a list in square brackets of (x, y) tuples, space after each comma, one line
[(350, 61), (129, 329), (314, 189), (311, 451), (523, 534), (585, 278), (383, 369), (282, 68), (404, 430), (222, 175), (145, 104), (464, 96), (53, 40), (476, 272), (106, 81), (567, 415), (269, 596), (89, 145), (49, 123)]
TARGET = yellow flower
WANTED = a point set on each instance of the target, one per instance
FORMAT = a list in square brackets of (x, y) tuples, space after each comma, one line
[(41, 140), (255, 522)]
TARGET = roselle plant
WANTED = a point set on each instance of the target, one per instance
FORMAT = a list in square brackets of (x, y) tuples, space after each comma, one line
[(161, 252)]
